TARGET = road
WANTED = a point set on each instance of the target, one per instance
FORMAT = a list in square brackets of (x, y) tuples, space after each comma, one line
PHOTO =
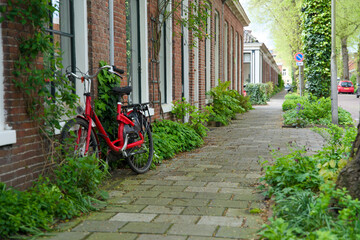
[(350, 103)]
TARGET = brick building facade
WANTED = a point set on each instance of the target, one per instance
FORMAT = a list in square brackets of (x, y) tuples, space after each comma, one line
[(259, 63), (183, 71)]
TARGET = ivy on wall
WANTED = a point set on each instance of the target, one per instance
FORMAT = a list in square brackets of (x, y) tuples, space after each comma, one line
[(317, 45), (35, 71)]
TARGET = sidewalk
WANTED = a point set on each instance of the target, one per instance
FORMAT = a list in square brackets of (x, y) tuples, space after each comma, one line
[(204, 194)]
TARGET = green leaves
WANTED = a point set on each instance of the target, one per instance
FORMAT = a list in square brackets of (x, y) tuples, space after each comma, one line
[(317, 38)]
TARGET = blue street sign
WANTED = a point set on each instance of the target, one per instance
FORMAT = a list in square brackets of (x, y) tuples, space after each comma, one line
[(299, 57)]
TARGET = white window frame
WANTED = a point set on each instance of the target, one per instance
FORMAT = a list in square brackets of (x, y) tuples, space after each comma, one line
[(208, 57), (7, 135), (226, 26), (236, 64), (167, 106), (232, 58), (217, 48)]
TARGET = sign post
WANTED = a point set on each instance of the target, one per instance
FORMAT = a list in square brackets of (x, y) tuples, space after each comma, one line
[(299, 58)]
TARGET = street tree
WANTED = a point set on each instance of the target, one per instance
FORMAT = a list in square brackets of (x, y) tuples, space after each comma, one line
[(317, 45), (347, 27), (284, 19)]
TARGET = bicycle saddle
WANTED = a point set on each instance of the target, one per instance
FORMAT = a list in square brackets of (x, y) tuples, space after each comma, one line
[(122, 90)]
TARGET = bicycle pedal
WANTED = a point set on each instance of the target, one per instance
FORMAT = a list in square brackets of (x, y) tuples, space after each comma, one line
[(138, 152)]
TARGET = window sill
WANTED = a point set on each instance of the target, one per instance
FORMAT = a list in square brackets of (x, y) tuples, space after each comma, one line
[(7, 137), (167, 107)]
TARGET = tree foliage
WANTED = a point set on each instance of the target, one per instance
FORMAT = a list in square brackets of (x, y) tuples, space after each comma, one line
[(317, 45), (284, 18)]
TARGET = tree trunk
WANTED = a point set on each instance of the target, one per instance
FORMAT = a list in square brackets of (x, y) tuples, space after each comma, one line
[(358, 65), (345, 58), (349, 176)]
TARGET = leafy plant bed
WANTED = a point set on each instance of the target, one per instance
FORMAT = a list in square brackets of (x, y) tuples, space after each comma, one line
[(72, 191), (307, 203), (311, 111)]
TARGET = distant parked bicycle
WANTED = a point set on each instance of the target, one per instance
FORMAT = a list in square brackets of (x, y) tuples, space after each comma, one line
[(79, 136)]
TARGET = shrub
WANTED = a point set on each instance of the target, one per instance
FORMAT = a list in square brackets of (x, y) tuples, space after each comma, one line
[(197, 118), (225, 103), (67, 195), (172, 137), (257, 93), (310, 110)]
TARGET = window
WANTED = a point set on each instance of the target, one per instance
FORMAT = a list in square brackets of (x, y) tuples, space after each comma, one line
[(166, 64), (232, 58), (7, 136), (136, 50), (225, 52), (217, 48), (236, 64), (62, 30), (207, 55), (284, 72), (133, 49)]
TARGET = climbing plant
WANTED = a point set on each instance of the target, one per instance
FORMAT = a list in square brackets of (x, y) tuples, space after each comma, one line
[(49, 96), (317, 45)]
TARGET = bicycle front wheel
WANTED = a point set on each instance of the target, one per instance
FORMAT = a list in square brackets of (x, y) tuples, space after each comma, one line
[(140, 158), (73, 139)]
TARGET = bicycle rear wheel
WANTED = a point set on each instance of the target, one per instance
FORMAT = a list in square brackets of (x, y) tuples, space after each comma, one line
[(73, 139), (140, 158)]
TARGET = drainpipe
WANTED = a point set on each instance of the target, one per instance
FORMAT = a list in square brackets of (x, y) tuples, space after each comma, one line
[(111, 30), (222, 34)]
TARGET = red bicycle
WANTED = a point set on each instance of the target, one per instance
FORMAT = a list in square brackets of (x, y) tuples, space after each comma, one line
[(79, 136)]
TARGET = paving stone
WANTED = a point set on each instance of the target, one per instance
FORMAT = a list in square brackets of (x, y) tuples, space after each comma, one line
[(229, 203), (177, 218), (253, 175), (144, 227), (169, 188), (121, 200), (237, 190), (112, 236), (116, 194), (236, 212), (133, 217), (221, 221), (124, 208), (160, 237), (100, 216), (153, 201), (179, 178), (190, 183), (202, 189), (249, 197), (69, 236), (222, 184), (208, 166), (127, 188), (202, 211), (192, 229), (206, 238), (163, 209), (142, 194), (157, 182), (225, 196), (190, 202), (235, 232), (177, 194), (98, 226)]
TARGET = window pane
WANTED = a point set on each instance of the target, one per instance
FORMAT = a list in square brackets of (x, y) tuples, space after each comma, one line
[(133, 48)]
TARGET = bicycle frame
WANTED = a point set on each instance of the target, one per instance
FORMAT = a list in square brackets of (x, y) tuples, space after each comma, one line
[(120, 144)]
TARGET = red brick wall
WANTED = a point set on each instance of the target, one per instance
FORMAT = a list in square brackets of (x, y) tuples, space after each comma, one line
[(20, 162)]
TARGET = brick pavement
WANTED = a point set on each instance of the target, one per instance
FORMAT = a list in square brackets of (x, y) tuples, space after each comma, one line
[(204, 194)]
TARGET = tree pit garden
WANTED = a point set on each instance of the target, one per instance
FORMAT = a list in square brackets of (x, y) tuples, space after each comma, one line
[(309, 111)]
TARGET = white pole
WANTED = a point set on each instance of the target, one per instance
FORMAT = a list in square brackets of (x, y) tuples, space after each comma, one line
[(300, 82), (111, 30), (334, 95)]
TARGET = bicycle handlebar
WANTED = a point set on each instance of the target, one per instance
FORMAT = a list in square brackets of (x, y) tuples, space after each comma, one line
[(112, 69)]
